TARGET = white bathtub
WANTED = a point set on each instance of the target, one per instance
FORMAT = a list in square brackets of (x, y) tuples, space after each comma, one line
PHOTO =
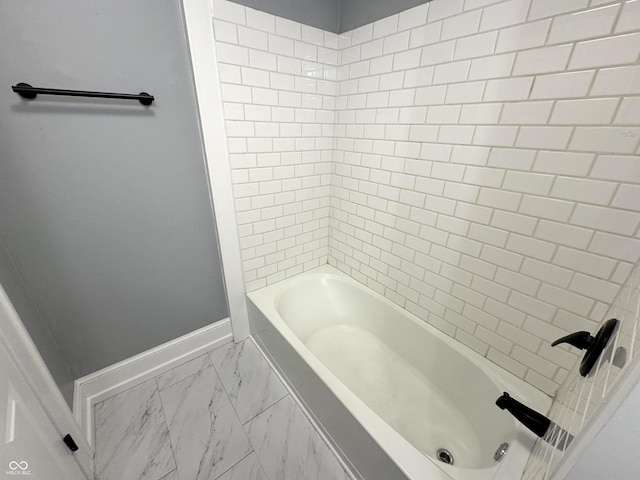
[(411, 388)]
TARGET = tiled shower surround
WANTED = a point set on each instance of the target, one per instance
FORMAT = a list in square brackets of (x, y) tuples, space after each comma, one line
[(279, 93), (474, 161)]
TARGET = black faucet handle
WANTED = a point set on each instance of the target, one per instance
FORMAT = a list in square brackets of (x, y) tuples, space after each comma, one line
[(579, 340), (593, 345)]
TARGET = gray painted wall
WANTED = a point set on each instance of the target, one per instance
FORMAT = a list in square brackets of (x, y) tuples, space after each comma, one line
[(35, 325), (104, 205), (323, 14), (355, 13), (332, 15)]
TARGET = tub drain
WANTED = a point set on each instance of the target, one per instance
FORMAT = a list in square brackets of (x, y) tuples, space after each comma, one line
[(444, 456)]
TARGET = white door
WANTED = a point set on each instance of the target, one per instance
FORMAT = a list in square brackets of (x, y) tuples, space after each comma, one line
[(31, 443)]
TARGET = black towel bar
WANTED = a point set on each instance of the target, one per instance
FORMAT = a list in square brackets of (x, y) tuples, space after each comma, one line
[(27, 91)]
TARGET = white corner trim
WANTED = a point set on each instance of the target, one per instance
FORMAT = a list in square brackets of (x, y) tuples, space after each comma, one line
[(98, 386), (204, 62)]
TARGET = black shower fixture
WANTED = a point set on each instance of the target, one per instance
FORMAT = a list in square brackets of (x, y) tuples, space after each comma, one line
[(593, 345)]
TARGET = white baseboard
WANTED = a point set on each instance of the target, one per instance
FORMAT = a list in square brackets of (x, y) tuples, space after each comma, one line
[(114, 379)]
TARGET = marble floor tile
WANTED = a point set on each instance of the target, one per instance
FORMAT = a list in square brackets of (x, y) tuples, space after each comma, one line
[(288, 446), (183, 371), (131, 436), (248, 468), (205, 432), (172, 476), (251, 384)]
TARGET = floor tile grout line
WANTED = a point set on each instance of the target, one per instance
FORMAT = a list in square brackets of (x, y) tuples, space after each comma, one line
[(243, 425), (313, 434), (224, 387), (235, 411), (271, 371), (238, 462), (251, 441), (120, 393), (350, 471), (139, 404), (155, 377), (174, 470), (266, 408), (164, 416), (178, 366), (217, 380)]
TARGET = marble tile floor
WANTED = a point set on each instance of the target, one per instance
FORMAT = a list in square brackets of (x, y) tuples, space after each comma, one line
[(222, 416)]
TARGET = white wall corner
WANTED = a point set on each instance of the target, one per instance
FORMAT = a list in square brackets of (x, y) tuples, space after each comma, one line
[(199, 27)]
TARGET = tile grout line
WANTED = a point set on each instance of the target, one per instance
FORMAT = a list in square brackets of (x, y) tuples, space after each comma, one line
[(238, 462), (244, 427), (234, 407), (235, 411), (164, 416), (314, 424)]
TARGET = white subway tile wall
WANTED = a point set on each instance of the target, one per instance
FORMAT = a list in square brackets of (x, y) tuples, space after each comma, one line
[(475, 161), (279, 83), (508, 213)]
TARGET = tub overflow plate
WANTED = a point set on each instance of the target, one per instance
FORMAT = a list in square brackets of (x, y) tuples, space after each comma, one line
[(501, 451)]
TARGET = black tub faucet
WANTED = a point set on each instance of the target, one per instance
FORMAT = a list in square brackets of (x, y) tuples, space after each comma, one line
[(534, 421)]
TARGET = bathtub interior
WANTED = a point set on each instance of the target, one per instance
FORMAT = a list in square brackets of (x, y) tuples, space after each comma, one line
[(421, 386)]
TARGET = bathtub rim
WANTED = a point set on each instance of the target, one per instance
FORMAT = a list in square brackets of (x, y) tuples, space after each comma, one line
[(402, 453)]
